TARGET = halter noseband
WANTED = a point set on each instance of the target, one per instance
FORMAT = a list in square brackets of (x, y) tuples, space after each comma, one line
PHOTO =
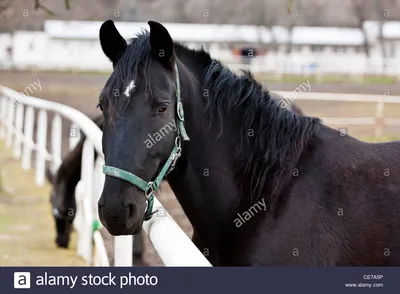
[(151, 187)]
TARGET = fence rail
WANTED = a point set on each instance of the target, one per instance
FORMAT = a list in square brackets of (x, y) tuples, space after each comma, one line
[(354, 65), (17, 122), (378, 120)]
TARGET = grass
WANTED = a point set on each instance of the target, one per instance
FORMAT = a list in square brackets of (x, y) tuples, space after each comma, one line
[(26, 225)]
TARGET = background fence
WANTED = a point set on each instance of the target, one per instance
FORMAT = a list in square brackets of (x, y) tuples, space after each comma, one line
[(378, 121), (17, 123)]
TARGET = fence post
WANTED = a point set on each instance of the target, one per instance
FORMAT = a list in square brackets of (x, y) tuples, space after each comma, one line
[(19, 120), (41, 147), (28, 136), (379, 118), (79, 218), (3, 115), (87, 179), (74, 136), (10, 121), (98, 183), (123, 248), (56, 138)]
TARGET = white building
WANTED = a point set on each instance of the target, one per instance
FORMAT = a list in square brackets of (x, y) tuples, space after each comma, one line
[(75, 45)]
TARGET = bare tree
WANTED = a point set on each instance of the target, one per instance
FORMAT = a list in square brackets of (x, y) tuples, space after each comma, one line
[(266, 13), (360, 11), (177, 11), (130, 10), (293, 19), (4, 4), (382, 13), (39, 5), (267, 17)]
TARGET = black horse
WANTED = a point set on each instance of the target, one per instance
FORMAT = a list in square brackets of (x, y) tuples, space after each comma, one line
[(259, 184), (62, 196), (63, 199), (64, 183)]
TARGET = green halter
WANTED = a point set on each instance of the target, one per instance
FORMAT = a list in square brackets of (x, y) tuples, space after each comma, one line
[(150, 187)]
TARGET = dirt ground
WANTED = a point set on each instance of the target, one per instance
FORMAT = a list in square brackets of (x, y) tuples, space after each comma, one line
[(81, 91), (25, 216)]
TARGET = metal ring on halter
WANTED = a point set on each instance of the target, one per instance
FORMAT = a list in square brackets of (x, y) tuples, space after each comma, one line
[(178, 142), (178, 146), (149, 188)]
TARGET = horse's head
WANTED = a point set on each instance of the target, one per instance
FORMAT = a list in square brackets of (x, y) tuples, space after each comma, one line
[(63, 212), (141, 125)]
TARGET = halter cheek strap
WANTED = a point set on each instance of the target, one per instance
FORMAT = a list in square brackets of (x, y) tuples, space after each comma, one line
[(151, 187)]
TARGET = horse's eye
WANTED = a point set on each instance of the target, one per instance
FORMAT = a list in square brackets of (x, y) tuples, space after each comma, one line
[(99, 106), (162, 109)]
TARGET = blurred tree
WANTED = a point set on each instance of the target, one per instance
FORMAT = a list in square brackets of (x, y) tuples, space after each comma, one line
[(294, 16), (130, 10), (382, 14), (360, 12), (340, 13), (22, 15)]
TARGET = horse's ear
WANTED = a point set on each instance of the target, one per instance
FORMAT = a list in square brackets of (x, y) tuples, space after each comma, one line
[(112, 43), (49, 176), (161, 43)]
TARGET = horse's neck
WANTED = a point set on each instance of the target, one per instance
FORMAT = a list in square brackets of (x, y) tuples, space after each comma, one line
[(204, 186), (204, 180)]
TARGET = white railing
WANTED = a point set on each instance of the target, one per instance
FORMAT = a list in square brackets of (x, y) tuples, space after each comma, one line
[(379, 121), (353, 65), (17, 127)]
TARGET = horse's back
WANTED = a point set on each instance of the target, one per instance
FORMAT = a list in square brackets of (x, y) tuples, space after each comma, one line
[(340, 207)]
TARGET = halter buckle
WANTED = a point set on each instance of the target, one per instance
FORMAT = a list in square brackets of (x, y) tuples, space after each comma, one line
[(178, 143), (175, 157), (149, 189)]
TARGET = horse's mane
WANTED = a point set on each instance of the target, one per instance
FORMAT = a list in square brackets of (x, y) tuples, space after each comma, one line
[(279, 135)]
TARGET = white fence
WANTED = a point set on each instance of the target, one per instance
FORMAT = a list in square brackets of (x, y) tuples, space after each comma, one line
[(17, 128), (355, 65), (378, 121)]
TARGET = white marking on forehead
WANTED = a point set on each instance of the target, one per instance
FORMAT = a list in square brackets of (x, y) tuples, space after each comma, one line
[(130, 87)]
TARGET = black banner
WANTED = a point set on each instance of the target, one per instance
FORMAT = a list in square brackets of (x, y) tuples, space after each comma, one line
[(199, 280)]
